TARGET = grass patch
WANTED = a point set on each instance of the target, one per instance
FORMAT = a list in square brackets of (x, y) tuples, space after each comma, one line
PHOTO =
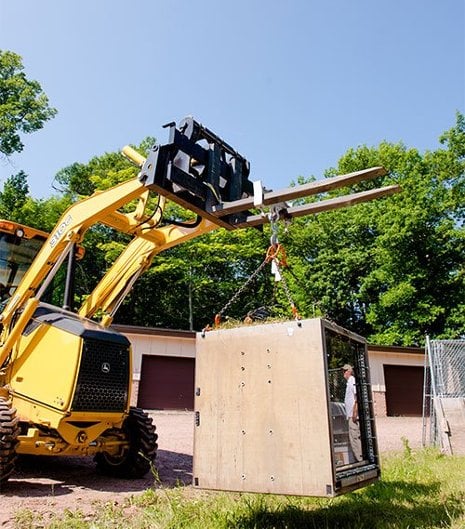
[(419, 489)]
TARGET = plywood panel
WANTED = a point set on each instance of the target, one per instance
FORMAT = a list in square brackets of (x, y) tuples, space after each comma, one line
[(263, 414)]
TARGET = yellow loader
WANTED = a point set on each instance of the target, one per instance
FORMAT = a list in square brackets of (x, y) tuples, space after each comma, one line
[(65, 375)]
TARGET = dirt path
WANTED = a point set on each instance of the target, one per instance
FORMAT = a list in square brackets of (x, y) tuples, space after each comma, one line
[(50, 485)]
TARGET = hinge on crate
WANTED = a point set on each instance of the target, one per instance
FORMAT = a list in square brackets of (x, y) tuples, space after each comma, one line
[(197, 418)]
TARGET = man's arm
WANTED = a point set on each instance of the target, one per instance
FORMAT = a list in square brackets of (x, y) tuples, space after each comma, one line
[(355, 410)]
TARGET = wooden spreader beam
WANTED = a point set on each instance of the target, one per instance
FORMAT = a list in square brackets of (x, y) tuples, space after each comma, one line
[(301, 191), (323, 205)]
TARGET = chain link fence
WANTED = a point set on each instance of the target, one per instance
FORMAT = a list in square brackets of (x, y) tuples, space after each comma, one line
[(444, 393)]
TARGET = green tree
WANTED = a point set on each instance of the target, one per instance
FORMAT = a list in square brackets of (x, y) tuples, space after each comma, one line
[(14, 196), (392, 269), (16, 204), (44, 213), (24, 107), (100, 172), (188, 284)]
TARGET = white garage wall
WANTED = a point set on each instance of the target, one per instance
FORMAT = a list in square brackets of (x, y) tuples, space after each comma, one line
[(159, 345)]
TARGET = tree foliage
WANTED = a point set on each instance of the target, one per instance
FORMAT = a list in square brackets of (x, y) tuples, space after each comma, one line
[(14, 196), (392, 269), (190, 283), (101, 172), (16, 204), (24, 107)]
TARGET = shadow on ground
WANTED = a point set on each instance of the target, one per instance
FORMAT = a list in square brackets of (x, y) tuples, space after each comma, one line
[(58, 476), (398, 504)]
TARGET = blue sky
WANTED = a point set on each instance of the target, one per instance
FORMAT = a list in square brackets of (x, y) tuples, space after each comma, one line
[(291, 85)]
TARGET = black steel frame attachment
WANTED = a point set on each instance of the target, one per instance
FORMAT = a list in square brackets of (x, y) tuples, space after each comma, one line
[(200, 171)]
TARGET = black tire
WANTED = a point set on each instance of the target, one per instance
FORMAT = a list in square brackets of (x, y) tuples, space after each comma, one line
[(9, 431), (138, 459)]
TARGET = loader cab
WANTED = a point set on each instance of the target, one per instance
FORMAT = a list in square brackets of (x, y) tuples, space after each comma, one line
[(19, 246)]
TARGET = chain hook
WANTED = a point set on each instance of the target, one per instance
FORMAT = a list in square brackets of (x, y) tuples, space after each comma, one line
[(282, 278), (273, 217), (277, 256)]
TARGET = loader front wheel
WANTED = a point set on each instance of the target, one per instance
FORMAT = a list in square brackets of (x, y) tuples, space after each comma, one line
[(9, 431), (138, 459)]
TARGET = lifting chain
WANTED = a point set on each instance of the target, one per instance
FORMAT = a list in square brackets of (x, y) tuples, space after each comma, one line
[(239, 292), (275, 255), (294, 310)]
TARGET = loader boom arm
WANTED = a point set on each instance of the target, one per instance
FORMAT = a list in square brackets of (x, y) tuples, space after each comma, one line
[(130, 265)]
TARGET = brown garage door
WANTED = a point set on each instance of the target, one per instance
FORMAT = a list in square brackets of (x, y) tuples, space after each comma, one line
[(404, 390), (167, 383)]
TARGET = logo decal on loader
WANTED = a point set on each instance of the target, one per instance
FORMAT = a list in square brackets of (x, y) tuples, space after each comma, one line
[(59, 232), (105, 367)]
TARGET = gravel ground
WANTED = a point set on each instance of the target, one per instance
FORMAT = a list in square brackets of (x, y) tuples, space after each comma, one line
[(175, 432), (50, 484), (391, 431)]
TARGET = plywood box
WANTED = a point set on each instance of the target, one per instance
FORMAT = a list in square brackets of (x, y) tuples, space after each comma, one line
[(268, 410)]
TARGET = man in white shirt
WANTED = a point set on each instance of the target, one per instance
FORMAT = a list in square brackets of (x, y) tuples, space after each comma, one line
[(351, 408)]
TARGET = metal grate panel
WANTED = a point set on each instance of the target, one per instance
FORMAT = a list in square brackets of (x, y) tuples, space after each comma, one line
[(444, 395), (103, 378), (341, 351), (447, 365)]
